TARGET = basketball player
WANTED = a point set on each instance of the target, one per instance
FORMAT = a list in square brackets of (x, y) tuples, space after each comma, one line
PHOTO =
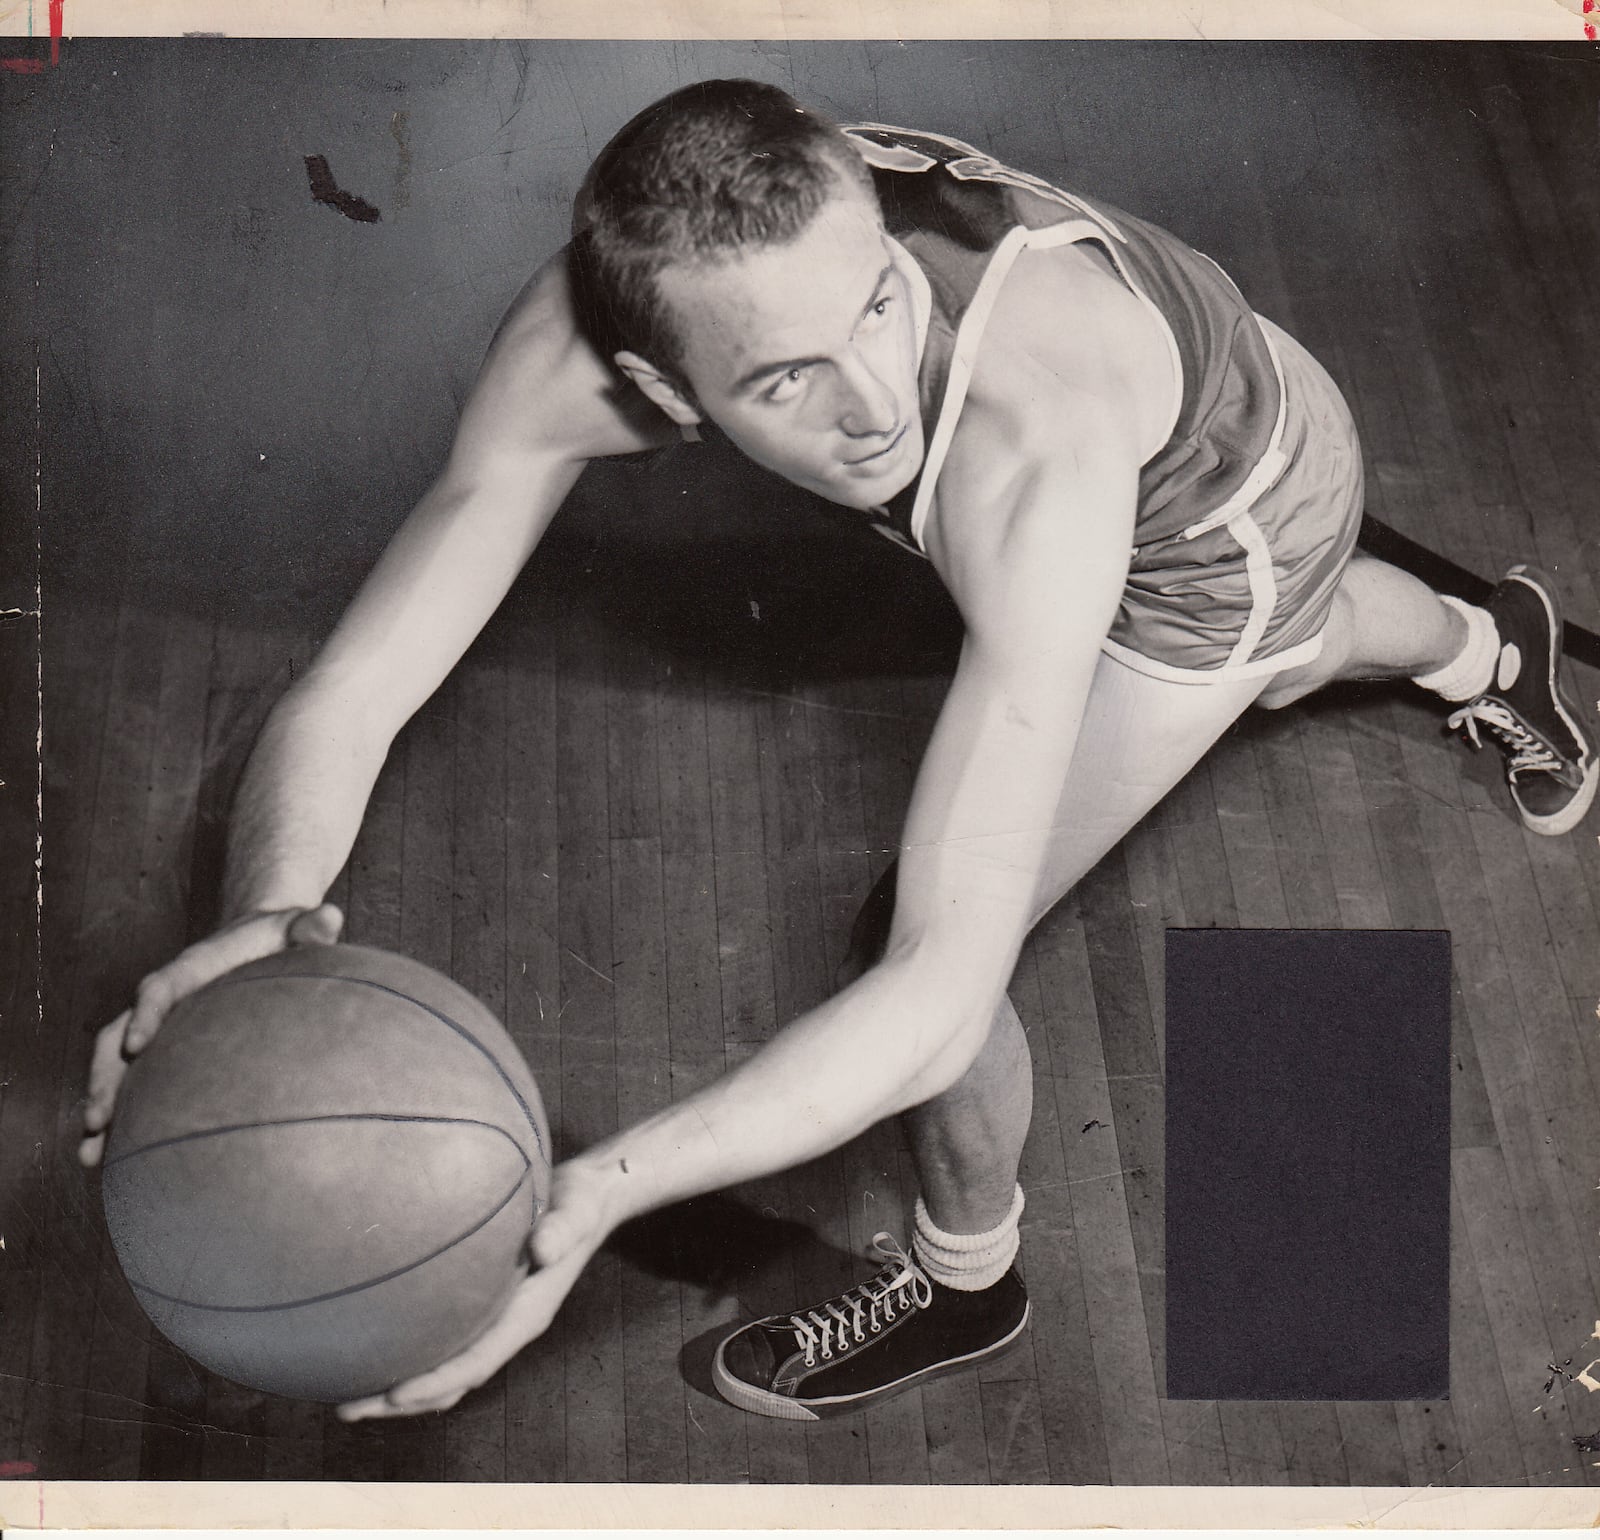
[(1144, 500)]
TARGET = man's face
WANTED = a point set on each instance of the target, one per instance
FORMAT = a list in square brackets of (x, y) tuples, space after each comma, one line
[(805, 355)]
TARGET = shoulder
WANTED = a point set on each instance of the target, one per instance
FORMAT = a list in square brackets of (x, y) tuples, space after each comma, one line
[(1039, 491), (1066, 400), (1064, 313), (543, 387)]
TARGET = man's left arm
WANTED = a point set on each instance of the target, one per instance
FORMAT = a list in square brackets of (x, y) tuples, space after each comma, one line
[(1037, 577)]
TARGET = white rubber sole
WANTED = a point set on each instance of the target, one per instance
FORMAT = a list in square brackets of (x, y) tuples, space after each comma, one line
[(1569, 817), (751, 1398)]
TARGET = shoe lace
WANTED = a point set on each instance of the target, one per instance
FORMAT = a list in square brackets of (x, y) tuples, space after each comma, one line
[(865, 1309), (1528, 750)]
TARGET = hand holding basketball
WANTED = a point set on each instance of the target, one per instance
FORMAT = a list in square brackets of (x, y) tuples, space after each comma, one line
[(568, 1234), (244, 940)]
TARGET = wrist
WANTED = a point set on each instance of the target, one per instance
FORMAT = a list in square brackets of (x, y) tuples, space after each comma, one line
[(253, 903), (621, 1186)]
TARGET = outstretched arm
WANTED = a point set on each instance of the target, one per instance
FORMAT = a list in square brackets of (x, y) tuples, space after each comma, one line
[(541, 407), (1038, 585)]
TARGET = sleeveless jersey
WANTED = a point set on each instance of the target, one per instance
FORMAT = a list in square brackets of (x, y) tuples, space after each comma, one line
[(965, 217)]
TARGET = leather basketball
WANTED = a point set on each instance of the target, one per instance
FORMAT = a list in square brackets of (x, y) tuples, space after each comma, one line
[(323, 1171)]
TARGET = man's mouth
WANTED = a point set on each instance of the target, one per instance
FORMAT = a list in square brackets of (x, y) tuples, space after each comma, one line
[(887, 449)]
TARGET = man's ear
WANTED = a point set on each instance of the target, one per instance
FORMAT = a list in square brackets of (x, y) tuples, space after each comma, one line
[(662, 391)]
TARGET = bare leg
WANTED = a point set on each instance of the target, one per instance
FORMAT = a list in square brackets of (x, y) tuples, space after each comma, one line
[(1141, 736), (1144, 736), (967, 1142), (1384, 623)]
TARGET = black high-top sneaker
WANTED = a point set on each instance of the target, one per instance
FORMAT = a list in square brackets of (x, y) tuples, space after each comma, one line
[(897, 1330), (1550, 760)]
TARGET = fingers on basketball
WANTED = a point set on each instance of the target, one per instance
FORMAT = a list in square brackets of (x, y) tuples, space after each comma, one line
[(316, 927), (106, 1069), (527, 1318), (151, 1001)]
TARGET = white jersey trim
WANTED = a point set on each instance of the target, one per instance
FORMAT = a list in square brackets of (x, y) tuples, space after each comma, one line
[(1255, 668), (969, 335)]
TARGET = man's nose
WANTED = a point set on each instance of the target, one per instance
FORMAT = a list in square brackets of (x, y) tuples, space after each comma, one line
[(870, 407)]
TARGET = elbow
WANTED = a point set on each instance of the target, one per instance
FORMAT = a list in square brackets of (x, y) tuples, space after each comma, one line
[(952, 1040)]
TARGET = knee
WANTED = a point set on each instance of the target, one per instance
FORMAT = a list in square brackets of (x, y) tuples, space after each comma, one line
[(1296, 683), (1278, 695)]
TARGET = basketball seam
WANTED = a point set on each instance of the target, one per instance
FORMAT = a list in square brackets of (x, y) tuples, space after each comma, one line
[(353, 1288), (422, 1005), (320, 1117)]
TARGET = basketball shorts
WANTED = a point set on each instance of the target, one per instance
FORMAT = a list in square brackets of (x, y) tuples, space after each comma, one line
[(1246, 591)]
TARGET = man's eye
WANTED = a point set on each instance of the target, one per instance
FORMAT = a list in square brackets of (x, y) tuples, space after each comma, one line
[(883, 304), (786, 385)]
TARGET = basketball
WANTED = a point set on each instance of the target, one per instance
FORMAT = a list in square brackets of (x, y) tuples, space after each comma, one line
[(323, 1171)]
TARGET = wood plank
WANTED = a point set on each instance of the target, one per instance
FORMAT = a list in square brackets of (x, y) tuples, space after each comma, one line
[(1347, 833), (1070, 1409), (1249, 846), (475, 1429), (1369, 1436), (535, 1380), (1108, 1264), (1435, 1454), (1290, 797), (655, 1416), (1013, 1432), (1190, 817), (1521, 1343), (106, 968), (652, 1305), (22, 1033), (45, 1259), (719, 820), (653, 1388), (594, 1415)]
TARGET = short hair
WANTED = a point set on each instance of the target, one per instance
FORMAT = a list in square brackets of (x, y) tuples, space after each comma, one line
[(714, 167)]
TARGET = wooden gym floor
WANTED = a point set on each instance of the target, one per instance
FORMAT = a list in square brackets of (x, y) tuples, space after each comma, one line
[(637, 822)]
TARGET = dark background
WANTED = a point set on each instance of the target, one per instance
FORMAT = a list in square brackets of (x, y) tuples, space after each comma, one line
[(270, 385)]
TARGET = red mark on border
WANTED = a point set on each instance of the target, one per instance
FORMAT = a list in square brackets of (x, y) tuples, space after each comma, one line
[(36, 66), (1590, 29), (17, 1467)]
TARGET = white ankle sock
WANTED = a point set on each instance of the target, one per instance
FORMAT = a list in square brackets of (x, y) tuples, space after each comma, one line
[(968, 1262), (1469, 673)]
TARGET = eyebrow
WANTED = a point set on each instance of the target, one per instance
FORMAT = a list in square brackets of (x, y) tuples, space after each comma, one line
[(761, 371)]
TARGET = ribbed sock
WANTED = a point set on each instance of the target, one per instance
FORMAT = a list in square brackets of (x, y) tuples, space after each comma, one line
[(967, 1262), (1469, 673)]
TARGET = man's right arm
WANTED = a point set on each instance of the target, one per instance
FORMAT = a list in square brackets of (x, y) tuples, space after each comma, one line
[(543, 405), (305, 789)]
